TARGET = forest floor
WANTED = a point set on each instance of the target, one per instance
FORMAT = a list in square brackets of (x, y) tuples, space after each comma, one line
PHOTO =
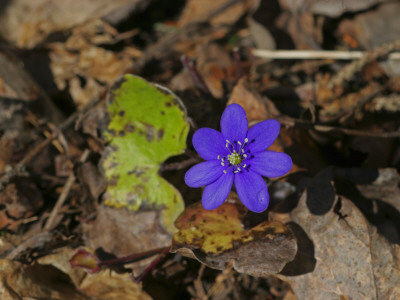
[(335, 92)]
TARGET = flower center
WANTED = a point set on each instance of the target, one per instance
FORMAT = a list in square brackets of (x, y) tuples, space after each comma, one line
[(235, 158), (238, 155)]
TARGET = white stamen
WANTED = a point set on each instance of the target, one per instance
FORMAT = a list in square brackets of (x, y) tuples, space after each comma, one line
[(238, 169), (235, 172), (242, 150), (226, 145), (246, 140), (244, 155), (225, 171), (244, 166), (222, 164), (239, 143), (218, 157)]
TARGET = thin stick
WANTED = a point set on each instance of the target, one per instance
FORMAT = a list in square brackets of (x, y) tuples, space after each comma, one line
[(315, 54), (64, 194), (180, 165), (290, 122)]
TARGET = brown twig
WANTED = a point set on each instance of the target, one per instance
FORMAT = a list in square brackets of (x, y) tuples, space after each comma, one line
[(20, 166), (290, 122), (64, 194), (179, 165)]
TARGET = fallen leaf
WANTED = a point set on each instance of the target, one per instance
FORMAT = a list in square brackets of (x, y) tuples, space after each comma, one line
[(148, 124), (197, 11), (37, 282), (26, 23), (257, 107), (217, 238), (214, 63), (343, 256), (20, 200), (123, 232), (331, 8), (104, 285)]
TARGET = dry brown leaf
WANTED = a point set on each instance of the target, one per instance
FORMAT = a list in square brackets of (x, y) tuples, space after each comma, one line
[(123, 232), (197, 11), (36, 282), (79, 58), (385, 187), (331, 8), (217, 238), (213, 63), (53, 278), (257, 107), (105, 285), (373, 28), (28, 22), (341, 255), (20, 200)]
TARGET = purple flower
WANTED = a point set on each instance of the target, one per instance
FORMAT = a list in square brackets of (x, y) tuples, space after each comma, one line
[(237, 155)]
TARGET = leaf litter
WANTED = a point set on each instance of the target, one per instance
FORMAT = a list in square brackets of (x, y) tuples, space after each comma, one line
[(332, 230)]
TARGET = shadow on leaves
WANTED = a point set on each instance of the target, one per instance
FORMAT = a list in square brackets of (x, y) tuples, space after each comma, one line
[(304, 261)]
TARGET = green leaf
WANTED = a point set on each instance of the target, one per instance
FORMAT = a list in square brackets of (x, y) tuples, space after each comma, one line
[(147, 125)]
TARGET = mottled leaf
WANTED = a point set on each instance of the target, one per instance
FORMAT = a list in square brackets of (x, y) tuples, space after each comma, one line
[(147, 125), (217, 237)]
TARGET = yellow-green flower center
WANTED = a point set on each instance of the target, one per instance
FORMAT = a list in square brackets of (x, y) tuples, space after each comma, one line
[(235, 158)]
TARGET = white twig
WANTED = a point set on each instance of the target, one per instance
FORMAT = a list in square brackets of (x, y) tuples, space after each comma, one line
[(312, 54)]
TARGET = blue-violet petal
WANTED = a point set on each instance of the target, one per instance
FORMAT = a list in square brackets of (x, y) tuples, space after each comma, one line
[(252, 190), (216, 193), (204, 173), (270, 163), (262, 135), (209, 143), (234, 123)]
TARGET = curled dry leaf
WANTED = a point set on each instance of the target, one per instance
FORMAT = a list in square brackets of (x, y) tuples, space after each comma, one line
[(341, 255), (80, 55), (257, 107), (218, 238), (85, 260)]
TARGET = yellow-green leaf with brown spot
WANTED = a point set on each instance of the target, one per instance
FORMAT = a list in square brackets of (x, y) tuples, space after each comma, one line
[(147, 125)]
